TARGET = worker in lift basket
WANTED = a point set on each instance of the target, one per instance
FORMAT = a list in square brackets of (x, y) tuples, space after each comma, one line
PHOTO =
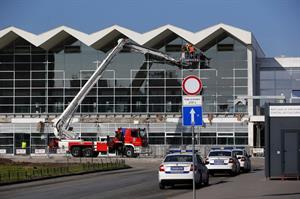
[(191, 50), (185, 52)]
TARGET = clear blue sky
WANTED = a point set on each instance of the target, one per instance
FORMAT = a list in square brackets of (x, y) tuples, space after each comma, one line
[(275, 23)]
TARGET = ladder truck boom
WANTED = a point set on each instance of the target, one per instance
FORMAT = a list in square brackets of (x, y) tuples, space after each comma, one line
[(61, 124)]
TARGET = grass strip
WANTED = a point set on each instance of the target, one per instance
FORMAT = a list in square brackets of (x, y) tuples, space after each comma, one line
[(21, 172)]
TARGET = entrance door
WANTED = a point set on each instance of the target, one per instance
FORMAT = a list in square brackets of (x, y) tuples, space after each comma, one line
[(290, 149)]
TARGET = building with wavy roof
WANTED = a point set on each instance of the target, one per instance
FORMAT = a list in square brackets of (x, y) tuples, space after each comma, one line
[(40, 75)]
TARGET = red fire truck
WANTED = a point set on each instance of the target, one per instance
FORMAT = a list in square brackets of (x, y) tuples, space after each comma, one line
[(127, 141)]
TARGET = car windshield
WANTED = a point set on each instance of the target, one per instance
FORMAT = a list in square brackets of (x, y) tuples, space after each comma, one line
[(220, 153), (237, 152), (179, 158)]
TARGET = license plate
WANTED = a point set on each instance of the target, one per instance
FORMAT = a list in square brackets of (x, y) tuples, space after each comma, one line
[(219, 162), (177, 169)]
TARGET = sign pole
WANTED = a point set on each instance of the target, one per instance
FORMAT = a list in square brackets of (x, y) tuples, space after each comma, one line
[(193, 152), (192, 112)]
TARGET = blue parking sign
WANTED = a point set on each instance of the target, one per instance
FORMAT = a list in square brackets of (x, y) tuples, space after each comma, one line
[(192, 114)]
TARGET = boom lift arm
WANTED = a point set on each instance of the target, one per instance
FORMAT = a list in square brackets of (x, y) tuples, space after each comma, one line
[(61, 124)]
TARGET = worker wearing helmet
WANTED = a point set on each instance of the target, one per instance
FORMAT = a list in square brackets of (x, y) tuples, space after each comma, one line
[(192, 50)]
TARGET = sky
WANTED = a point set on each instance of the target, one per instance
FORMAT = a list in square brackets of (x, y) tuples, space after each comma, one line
[(274, 23)]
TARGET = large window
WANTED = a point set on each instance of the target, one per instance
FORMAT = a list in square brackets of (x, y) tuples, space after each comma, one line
[(276, 80), (226, 78), (46, 81)]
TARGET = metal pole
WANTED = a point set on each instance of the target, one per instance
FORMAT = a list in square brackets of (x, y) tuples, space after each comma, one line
[(47, 139), (193, 152)]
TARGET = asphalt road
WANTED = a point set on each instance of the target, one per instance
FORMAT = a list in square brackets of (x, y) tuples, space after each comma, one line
[(139, 182)]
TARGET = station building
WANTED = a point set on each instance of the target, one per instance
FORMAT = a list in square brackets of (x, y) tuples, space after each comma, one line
[(40, 75)]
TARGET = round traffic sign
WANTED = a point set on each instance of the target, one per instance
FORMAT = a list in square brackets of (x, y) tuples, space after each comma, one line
[(192, 85)]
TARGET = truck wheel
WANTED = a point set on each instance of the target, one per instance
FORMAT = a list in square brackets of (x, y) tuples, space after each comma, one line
[(95, 154), (76, 152), (87, 152), (129, 152)]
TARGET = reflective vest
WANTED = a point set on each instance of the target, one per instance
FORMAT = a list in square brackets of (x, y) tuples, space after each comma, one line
[(23, 145), (191, 49)]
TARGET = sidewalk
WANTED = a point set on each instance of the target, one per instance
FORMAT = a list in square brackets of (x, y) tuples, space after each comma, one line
[(250, 185)]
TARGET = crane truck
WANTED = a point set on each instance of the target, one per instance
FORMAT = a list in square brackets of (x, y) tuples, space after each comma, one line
[(127, 141)]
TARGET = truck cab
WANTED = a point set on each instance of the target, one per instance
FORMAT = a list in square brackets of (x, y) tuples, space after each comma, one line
[(129, 141)]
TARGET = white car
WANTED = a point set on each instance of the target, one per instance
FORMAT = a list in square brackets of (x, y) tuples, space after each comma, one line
[(244, 159), (222, 161), (177, 168)]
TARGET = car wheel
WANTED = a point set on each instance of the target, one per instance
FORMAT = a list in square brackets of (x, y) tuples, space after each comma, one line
[(232, 173), (199, 183), (206, 182), (162, 185)]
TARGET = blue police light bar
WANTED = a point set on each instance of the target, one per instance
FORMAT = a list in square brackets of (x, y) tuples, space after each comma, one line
[(174, 151)]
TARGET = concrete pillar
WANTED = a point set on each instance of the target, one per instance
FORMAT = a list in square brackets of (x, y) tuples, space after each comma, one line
[(251, 134), (250, 68), (258, 134), (251, 91)]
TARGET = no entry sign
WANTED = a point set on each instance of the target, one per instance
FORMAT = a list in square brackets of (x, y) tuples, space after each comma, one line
[(192, 85)]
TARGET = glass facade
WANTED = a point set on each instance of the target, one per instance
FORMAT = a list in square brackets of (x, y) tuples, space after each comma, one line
[(34, 81), (37, 81), (276, 80)]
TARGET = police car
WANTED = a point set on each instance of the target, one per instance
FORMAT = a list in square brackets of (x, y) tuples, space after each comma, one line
[(244, 159), (177, 168), (222, 160)]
